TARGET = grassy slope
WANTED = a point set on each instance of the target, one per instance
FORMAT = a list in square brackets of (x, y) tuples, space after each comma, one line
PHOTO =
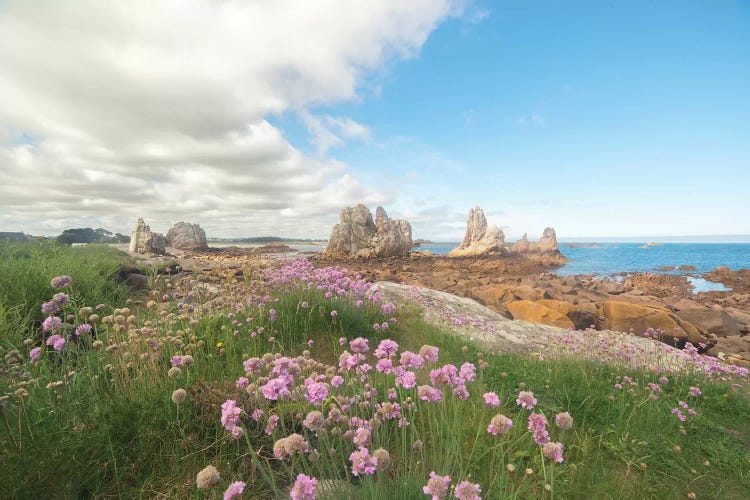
[(113, 431)]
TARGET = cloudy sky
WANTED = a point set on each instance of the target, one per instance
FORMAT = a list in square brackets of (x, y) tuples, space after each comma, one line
[(267, 117)]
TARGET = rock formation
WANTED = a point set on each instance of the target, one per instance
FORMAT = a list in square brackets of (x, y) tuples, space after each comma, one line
[(186, 236), (547, 243), (143, 240), (357, 235), (479, 239)]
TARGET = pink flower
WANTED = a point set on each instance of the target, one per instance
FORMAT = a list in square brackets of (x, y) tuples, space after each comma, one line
[(437, 486), (467, 491), (538, 427), (51, 323), (273, 422), (386, 348), (384, 365), (242, 382), (275, 388), (695, 392), (500, 424), (460, 392), (359, 345), (553, 451), (304, 488), (406, 379), (315, 392), (491, 399), (34, 354), (468, 372), (83, 328), (526, 400), (564, 421), (257, 414), (337, 381), (384, 325), (411, 360), (234, 490), (363, 462), (429, 393), (230, 415), (56, 341), (334, 313), (446, 375), (429, 353)]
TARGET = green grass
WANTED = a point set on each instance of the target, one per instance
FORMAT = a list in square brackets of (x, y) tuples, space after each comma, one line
[(111, 430)]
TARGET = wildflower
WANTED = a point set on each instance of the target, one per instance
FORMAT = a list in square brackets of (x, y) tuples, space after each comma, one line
[(242, 382), (83, 329), (273, 422), (178, 396), (553, 451), (34, 354), (429, 393), (56, 341), (50, 307), (529, 471), (386, 348), (564, 421), (500, 424), (468, 372), (61, 299), (491, 399), (315, 392), (304, 488), (337, 381), (383, 458), (207, 477), (63, 281), (429, 353), (275, 388), (362, 462), (272, 315), (290, 445), (256, 414), (411, 360), (510, 468), (467, 491), (417, 445), (437, 486), (406, 379), (234, 490), (230, 414), (695, 392), (334, 313), (304, 305), (219, 345), (359, 345), (174, 372), (678, 412), (526, 400), (313, 420), (538, 427), (51, 323), (663, 380), (384, 325)]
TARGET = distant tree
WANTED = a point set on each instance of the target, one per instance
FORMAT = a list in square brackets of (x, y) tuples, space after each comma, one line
[(89, 235)]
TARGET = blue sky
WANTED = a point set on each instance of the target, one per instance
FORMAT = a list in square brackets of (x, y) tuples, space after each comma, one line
[(600, 118)]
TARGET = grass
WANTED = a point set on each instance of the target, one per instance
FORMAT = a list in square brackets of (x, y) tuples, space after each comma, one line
[(107, 424)]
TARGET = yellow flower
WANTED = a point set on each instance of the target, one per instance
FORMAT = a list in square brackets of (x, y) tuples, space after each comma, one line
[(220, 344)]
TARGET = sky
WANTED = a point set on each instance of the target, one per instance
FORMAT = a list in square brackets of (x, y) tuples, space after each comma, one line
[(599, 118)]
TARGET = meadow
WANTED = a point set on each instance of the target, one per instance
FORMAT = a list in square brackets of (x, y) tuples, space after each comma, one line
[(297, 382)]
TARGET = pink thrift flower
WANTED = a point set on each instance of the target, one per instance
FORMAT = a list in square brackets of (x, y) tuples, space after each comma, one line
[(315, 392), (230, 414), (491, 399), (234, 490), (304, 488), (275, 388), (526, 400), (273, 422), (500, 424), (359, 345), (334, 313), (553, 451), (34, 354), (56, 341), (406, 379), (437, 486), (384, 365), (695, 392), (460, 392), (337, 381), (257, 414), (51, 323), (63, 281), (386, 348), (363, 462), (538, 427), (468, 372), (429, 393), (384, 325), (467, 491), (411, 360), (564, 421), (242, 382), (429, 353)]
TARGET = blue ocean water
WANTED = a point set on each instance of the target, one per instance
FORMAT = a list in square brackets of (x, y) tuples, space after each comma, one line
[(613, 258)]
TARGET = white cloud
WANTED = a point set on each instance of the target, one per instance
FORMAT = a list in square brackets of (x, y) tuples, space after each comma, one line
[(534, 120), (113, 110)]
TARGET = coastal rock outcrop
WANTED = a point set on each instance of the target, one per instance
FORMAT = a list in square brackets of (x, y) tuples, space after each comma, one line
[(546, 244), (357, 235), (143, 240), (534, 312), (186, 236), (625, 316), (479, 238)]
